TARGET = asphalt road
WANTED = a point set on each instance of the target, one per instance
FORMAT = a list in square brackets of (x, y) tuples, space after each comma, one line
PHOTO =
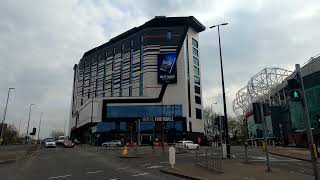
[(84, 164), (100, 164)]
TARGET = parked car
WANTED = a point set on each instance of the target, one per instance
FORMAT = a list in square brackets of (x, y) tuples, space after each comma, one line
[(68, 144), (60, 140), (113, 143), (50, 143), (189, 145), (76, 141)]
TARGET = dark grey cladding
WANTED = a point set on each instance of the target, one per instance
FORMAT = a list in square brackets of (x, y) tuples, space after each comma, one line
[(154, 33)]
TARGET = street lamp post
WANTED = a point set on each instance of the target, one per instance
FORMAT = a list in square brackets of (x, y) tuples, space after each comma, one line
[(223, 92), (5, 114), (39, 128), (28, 122)]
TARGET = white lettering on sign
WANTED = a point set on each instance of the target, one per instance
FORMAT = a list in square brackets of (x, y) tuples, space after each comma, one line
[(157, 118)]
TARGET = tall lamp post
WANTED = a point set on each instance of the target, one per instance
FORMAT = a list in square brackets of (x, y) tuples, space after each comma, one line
[(5, 114), (28, 122), (39, 128), (223, 91)]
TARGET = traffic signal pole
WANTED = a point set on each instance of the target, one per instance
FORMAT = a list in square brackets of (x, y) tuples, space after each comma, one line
[(312, 146), (265, 134)]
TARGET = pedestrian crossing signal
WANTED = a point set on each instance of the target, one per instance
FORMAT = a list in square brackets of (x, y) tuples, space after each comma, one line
[(295, 95)]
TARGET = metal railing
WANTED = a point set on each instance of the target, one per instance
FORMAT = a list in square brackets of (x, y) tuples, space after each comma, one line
[(210, 158)]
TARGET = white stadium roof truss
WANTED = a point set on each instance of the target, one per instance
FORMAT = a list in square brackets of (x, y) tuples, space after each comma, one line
[(259, 88)]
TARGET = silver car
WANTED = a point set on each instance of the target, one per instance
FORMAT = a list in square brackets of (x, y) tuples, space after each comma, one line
[(113, 143), (50, 143)]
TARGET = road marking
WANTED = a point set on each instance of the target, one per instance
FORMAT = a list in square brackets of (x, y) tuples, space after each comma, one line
[(145, 165), (44, 158), (154, 167), (56, 177), (142, 174), (114, 179), (94, 172), (122, 168), (164, 162)]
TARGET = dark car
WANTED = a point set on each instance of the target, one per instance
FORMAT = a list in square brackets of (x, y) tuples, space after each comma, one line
[(68, 144)]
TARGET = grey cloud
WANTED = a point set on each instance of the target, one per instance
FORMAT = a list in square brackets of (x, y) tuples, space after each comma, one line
[(40, 42)]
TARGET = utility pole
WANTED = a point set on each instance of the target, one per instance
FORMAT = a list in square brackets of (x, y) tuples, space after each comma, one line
[(19, 128), (39, 128), (28, 123), (265, 134), (64, 126), (312, 146), (4, 115), (223, 92)]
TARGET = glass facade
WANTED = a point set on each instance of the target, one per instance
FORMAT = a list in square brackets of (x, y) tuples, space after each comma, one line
[(195, 61), (196, 71)]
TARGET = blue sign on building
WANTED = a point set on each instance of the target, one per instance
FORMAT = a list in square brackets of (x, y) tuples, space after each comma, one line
[(167, 68)]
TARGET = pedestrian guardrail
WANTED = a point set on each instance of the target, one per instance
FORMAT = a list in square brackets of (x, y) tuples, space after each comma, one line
[(210, 158)]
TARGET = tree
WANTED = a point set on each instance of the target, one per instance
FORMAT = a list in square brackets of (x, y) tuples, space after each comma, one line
[(235, 128), (10, 135), (56, 133), (209, 129)]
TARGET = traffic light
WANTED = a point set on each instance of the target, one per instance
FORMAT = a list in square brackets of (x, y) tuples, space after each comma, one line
[(33, 131), (256, 113), (266, 109), (294, 89)]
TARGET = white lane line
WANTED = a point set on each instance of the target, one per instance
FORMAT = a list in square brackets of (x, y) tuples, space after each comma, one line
[(145, 165), (122, 168), (142, 174), (56, 177), (164, 162), (154, 167), (94, 172), (114, 179), (44, 158), (278, 160)]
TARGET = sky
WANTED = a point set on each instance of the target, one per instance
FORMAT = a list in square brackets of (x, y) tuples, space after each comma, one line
[(40, 41)]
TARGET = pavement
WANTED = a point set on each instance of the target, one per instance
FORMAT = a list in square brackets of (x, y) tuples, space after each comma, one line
[(292, 152), (234, 170), (10, 153), (279, 161)]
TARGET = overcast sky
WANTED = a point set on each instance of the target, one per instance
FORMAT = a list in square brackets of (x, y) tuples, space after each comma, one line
[(40, 41)]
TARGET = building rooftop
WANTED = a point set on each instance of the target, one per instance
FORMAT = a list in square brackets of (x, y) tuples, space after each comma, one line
[(158, 21)]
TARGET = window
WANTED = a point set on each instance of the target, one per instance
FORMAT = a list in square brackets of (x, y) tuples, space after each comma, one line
[(197, 80), (169, 34), (196, 70), (198, 99), (130, 91), (195, 52), (122, 126), (198, 113), (194, 43), (81, 102), (131, 43), (190, 126), (195, 61), (147, 126), (197, 89), (178, 125)]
